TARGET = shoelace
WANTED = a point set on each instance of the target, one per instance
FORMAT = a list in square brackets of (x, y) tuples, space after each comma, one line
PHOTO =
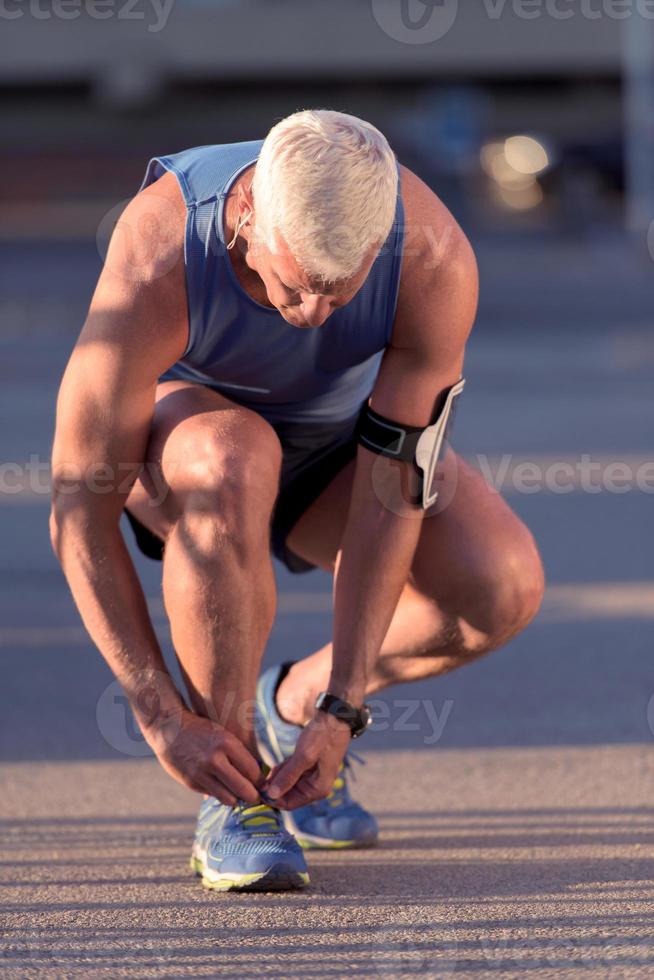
[(339, 792), (251, 815)]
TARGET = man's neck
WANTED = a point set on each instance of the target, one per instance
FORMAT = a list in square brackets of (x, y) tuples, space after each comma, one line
[(248, 279)]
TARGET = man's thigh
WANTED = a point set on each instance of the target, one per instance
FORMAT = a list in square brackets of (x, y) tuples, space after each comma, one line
[(463, 535), (184, 414)]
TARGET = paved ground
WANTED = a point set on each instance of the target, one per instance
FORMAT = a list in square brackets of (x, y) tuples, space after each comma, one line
[(516, 797), (505, 860)]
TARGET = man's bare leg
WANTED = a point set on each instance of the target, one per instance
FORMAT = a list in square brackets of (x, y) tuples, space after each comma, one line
[(217, 467), (476, 581)]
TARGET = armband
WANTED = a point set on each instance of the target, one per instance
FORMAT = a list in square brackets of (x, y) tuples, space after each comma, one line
[(423, 447)]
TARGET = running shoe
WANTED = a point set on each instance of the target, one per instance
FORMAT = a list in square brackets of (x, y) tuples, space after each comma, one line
[(335, 822), (246, 848)]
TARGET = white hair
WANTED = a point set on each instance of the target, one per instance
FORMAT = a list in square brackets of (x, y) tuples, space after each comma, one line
[(327, 183)]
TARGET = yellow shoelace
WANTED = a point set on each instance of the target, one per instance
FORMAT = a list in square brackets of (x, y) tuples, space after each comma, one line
[(339, 784), (257, 815)]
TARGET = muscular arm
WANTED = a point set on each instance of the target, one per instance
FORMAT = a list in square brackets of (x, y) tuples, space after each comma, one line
[(436, 309), (136, 328)]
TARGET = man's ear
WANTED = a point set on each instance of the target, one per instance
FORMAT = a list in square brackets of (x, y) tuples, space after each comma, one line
[(245, 200)]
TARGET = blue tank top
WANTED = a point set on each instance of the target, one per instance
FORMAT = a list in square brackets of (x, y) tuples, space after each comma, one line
[(247, 351)]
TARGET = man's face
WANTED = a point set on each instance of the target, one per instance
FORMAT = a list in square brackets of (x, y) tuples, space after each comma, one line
[(301, 301)]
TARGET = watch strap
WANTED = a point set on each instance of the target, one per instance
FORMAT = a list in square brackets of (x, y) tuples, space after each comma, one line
[(357, 719)]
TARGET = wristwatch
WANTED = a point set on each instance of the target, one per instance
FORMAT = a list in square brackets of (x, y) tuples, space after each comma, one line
[(357, 719)]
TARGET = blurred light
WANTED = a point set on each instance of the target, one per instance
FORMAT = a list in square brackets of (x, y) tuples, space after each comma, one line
[(511, 165), (496, 165), (521, 198), (506, 176), (526, 155), (489, 152)]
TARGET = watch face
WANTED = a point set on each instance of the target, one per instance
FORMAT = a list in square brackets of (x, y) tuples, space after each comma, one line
[(365, 717)]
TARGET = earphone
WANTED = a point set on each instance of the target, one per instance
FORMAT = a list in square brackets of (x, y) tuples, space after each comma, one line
[(239, 224)]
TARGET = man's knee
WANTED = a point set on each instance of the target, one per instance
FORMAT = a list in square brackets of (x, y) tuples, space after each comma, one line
[(230, 478), (510, 592), (493, 602)]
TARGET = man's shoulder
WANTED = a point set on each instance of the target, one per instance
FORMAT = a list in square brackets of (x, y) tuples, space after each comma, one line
[(439, 280), (152, 229), (141, 292), (433, 238)]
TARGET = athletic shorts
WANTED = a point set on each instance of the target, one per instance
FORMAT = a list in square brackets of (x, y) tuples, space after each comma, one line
[(312, 455)]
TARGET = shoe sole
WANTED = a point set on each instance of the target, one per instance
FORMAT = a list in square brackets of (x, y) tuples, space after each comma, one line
[(273, 880), (312, 843)]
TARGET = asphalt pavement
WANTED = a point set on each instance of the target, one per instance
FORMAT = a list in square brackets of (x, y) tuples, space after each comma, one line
[(515, 797)]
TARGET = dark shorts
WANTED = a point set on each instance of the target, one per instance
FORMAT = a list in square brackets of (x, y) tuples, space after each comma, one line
[(313, 454)]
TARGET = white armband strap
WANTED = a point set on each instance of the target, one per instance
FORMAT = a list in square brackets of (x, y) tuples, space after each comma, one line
[(412, 444)]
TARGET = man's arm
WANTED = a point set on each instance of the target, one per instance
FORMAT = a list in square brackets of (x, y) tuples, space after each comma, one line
[(136, 328), (436, 309)]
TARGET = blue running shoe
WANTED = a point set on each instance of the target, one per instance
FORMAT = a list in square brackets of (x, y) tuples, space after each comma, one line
[(335, 822), (245, 848)]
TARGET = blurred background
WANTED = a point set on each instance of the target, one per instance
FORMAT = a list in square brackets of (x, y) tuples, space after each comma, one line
[(534, 122), (91, 88), (535, 125), (515, 796)]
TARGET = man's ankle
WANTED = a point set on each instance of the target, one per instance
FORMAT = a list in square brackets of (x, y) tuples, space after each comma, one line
[(290, 704)]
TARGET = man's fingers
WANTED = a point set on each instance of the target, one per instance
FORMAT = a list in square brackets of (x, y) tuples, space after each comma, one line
[(293, 799), (241, 787), (243, 760), (212, 786), (305, 791), (287, 776)]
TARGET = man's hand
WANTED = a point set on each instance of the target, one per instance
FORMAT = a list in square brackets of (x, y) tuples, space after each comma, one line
[(205, 757), (310, 772)]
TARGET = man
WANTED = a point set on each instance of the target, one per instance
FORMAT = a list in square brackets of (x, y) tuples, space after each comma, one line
[(272, 356)]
